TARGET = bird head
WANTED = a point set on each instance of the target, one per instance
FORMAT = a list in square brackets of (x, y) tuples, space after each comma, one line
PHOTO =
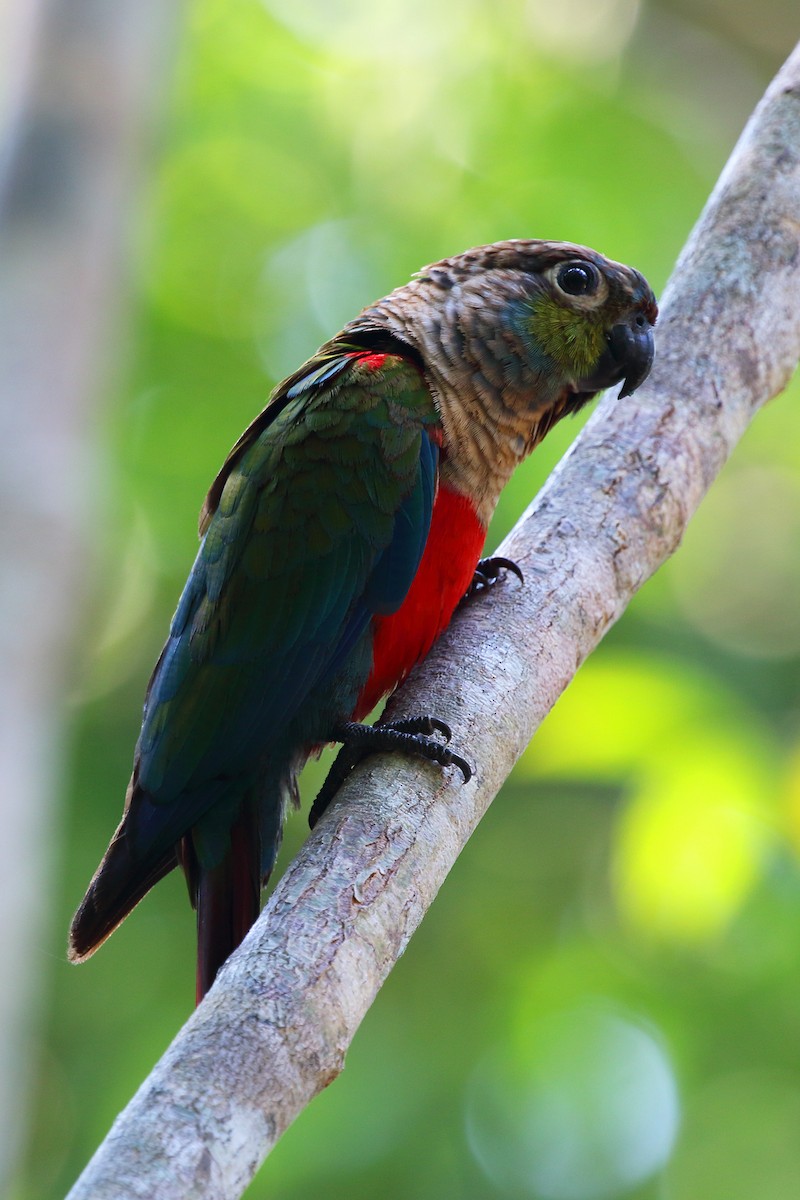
[(561, 321), (590, 319), (512, 337)]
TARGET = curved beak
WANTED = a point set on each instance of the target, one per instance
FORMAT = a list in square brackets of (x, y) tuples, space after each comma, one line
[(633, 346), (628, 356)]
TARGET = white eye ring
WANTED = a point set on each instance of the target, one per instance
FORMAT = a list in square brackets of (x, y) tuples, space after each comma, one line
[(578, 279)]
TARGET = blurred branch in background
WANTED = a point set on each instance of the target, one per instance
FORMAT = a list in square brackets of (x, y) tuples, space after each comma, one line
[(275, 1027), (77, 86)]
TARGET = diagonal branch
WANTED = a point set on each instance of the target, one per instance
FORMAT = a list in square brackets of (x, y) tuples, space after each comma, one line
[(276, 1025)]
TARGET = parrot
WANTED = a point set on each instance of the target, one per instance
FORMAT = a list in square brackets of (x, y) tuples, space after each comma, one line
[(337, 540)]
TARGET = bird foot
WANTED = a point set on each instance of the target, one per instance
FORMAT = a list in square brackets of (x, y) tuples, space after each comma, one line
[(414, 735), (487, 573)]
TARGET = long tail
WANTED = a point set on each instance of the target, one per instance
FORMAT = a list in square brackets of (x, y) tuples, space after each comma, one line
[(119, 883), (226, 896)]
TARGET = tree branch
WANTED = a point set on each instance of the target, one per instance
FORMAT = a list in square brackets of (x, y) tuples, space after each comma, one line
[(275, 1027)]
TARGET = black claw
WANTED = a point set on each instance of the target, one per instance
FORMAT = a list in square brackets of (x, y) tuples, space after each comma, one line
[(449, 759), (488, 571), (507, 564), (424, 725), (414, 735)]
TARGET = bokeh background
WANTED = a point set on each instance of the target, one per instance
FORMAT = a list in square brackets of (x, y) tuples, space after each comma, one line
[(604, 1001)]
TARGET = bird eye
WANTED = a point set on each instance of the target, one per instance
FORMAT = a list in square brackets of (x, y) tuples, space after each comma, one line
[(578, 279)]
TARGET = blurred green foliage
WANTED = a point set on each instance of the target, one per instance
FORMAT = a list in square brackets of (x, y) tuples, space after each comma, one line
[(603, 1000)]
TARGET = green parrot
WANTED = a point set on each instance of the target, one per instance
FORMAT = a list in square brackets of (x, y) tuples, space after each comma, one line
[(343, 529)]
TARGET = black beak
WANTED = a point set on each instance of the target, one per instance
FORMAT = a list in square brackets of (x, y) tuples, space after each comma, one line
[(628, 356), (633, 347)]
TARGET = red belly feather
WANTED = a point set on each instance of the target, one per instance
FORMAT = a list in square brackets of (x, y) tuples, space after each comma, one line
[(451, 553)]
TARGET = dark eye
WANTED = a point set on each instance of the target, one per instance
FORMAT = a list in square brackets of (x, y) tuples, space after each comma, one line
[(578, 279)]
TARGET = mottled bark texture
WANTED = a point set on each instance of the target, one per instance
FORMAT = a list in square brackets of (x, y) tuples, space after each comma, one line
[(275, 1027)]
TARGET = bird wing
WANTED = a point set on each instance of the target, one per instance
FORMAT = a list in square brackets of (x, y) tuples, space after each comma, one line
[(319, 525)]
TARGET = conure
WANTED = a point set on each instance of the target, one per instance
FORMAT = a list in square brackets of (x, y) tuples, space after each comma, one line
[(343, 529)]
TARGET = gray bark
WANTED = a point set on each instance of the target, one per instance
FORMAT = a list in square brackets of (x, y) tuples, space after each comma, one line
[(275, 1027), (76, 85)]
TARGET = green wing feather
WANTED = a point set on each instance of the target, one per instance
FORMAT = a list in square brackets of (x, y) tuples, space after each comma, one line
[(319, 522), (316, 522)]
